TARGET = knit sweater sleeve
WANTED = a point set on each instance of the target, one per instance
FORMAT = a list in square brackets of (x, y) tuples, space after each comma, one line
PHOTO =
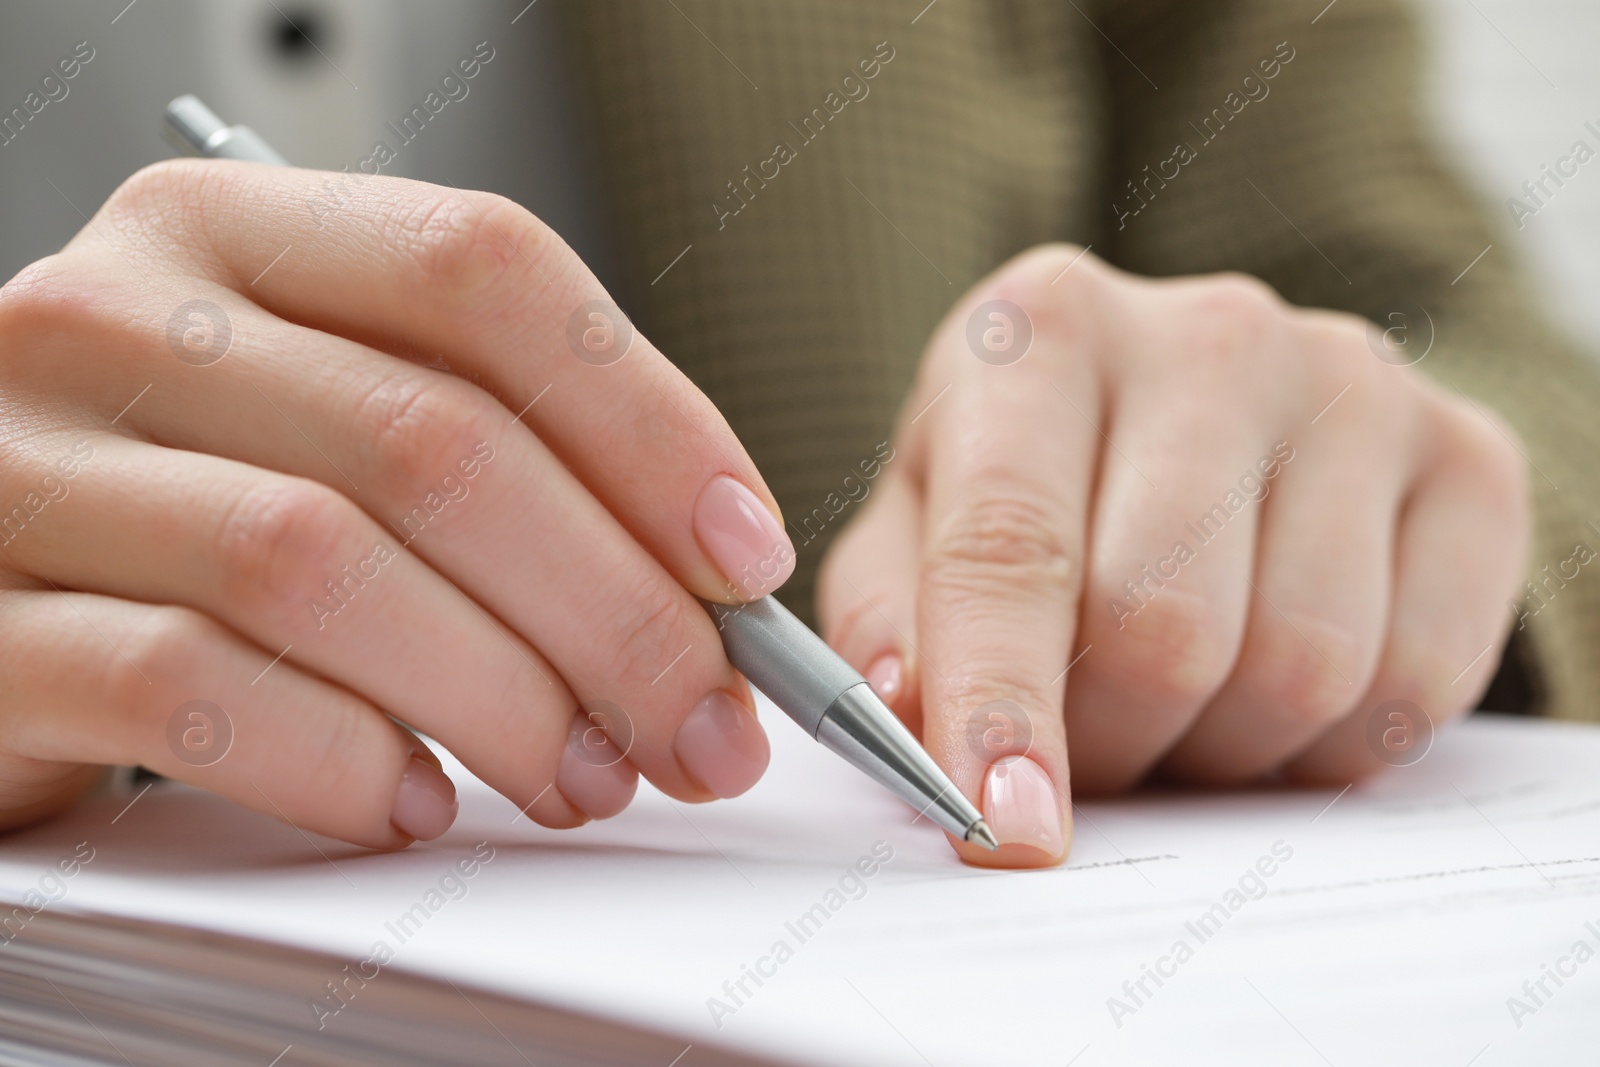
[(1259, 136)]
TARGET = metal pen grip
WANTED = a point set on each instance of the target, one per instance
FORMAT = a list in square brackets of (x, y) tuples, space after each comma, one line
[(783, 658)]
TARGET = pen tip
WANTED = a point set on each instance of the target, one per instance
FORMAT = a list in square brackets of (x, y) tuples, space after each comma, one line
[(982, 835)]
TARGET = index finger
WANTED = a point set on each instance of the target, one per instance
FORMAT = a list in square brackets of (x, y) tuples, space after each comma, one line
[(1007, 467), (476, 282)]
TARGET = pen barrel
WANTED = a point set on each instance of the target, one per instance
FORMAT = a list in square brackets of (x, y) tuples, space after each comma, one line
[(783, 658), (862, 729), (194, 129)]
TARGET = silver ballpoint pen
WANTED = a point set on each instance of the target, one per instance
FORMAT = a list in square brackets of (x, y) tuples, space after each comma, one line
[(817, 689), (765, 642), (194, 129)]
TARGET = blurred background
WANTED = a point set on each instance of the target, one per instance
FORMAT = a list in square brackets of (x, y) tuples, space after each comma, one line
[(1512, 83), (269, 64)]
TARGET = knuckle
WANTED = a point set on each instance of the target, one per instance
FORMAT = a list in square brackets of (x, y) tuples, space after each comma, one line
[(856, 621), (841, 625), (1340, 347), (1231, 315), (1176, 653), (847, 585), (46, 295), (418, 426), (1011, 543), (162, 656), (1421, 669), (1491, 449), (993, 709), (1238, 295), (1509, 485), (278, 544), (1040, 282), (647, 632), (173, 191), (1503, 478), (1044, 268), (1310, 672), (157, 214), (338, 747), (473, 245)]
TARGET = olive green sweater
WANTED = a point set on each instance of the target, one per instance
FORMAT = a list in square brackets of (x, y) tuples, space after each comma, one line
[(841, 171)]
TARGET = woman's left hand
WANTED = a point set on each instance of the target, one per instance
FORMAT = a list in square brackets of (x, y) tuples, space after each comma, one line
[(1181, 525)]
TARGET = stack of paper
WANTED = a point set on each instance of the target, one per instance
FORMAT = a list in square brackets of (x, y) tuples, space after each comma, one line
[(1446, 913)]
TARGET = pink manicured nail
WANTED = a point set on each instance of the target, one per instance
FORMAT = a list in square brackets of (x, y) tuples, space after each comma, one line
[(1021, 806), (722, 745), (594, 776), (742, 538), (425, 805), (885, 676)]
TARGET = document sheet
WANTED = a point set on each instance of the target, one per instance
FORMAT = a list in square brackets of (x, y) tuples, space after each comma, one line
[(1447, 912)]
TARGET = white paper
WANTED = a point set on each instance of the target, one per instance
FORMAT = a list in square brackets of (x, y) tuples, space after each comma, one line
[(1396, 927)]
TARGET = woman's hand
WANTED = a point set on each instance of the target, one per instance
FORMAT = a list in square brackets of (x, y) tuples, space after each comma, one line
[(1179, 524), (287, 456)]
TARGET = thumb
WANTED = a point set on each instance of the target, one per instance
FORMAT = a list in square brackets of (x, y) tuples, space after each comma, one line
[(866, 594)]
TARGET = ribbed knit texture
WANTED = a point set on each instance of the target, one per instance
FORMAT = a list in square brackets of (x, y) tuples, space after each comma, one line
[(997, 126)]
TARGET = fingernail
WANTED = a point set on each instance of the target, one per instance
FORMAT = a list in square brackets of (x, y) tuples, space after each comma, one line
[(884, 676), (1021, 806), (594, 776), (742, 538), (722, 745), (425, 805)]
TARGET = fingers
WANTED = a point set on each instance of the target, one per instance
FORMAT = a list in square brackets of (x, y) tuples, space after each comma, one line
[(867, 594), (595, 776), (1320, 605), (475, 280), (471, 490), (460, 482), (98, 680), (300, 570), (33, 790), (304, 574), (1007, 472), (1175, 533), (1258, 586), (1458, 558), (173, 548)]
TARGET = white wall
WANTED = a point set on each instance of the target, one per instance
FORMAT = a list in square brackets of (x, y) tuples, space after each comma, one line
[(1513, 82), (378, 60)]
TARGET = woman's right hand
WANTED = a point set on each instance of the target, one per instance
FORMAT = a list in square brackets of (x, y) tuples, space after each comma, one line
[(287, 456)]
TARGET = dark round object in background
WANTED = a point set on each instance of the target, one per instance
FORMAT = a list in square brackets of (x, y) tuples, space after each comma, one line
[(298, 33)]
